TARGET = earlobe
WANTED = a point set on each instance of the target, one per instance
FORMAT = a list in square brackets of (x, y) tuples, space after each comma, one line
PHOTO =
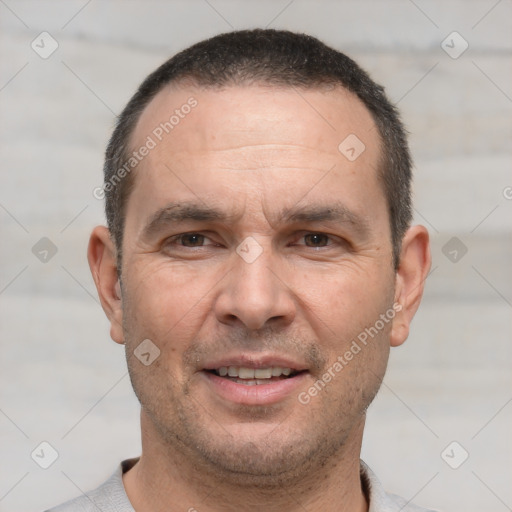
[(101, 255), (415, 261)]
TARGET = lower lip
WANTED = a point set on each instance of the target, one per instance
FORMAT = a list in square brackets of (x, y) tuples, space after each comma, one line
[(260, 394)]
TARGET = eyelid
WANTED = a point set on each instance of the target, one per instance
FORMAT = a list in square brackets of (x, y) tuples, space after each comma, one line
[(332, 238), (175, 238)]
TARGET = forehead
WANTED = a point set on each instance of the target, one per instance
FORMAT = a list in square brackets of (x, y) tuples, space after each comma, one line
[(242, 139), (318, 119)]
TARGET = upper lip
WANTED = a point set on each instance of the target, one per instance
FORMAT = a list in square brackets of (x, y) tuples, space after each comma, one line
[(255, 361)]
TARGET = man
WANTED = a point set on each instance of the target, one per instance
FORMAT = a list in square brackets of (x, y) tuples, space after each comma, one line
[(258, 265)]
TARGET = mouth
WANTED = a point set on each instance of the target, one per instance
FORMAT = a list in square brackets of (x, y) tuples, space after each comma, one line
[(254, 376), (254, 381)]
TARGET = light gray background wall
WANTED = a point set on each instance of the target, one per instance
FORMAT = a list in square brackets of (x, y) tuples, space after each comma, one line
[(64, 381)]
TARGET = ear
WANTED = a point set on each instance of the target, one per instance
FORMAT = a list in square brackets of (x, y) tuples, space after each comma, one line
[(415, 261), (101, 255)]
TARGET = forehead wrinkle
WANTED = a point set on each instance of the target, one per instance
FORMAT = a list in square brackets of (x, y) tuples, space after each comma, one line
[(255, 157), (266, 147)]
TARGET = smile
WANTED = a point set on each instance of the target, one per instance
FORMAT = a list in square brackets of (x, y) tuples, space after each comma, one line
[(254, 376), (254, 382)]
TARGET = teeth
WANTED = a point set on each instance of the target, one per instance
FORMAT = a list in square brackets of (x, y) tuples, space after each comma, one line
[(246, 373), (251, 382), (262, 373), (243, 372)]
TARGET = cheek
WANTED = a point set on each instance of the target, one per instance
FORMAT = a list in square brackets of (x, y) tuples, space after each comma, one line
[(163, 304), (159, 310), (348, 300)]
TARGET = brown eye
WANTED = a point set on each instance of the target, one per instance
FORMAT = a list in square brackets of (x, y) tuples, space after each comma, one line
[(192, 240), (316, 240)]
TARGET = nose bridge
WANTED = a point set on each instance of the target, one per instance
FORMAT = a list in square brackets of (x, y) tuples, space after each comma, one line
[(253, 269), (253, 294)]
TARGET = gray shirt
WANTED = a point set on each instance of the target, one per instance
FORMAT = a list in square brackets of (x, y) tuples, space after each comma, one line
[(111, 496)]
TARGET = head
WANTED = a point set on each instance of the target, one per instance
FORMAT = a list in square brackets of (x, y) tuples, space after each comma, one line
[(265, 226)]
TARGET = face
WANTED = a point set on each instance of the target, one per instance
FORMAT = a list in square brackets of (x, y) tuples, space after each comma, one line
[(255, 253)]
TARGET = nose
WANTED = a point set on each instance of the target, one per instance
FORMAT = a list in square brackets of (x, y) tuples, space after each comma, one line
[(255, 295)]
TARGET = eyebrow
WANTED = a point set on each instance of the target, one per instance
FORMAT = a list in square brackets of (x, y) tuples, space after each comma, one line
[(177, 212), (327, 213)]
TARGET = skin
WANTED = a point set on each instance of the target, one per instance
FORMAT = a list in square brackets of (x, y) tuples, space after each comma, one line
[(253, 151)]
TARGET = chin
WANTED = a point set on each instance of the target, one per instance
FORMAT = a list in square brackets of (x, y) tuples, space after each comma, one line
[(258, 465), (262, 455)]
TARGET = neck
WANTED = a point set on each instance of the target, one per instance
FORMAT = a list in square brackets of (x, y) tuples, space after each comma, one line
[(169, 478)]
